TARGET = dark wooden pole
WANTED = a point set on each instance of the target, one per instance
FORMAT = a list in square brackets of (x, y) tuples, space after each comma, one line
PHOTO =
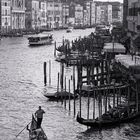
[(45, 74), (49, 72), (55, 49), (74, 89), (128, 90), (137, 99), (65, 94), (69, 97), (58, 83), (94, 104), (88, 104), (113, 95)]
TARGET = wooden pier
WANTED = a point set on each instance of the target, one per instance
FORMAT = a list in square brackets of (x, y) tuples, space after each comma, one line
[(103, 76)]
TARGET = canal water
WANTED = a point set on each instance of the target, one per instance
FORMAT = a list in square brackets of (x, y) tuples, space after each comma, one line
[(22, 91)]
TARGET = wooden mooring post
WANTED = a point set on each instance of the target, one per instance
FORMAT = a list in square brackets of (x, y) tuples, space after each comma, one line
[(58, 82), (49, 72), (74, 89), (45, 73), (61, 80), (69, 97), (94, 92), (55, 49), (65, 93)]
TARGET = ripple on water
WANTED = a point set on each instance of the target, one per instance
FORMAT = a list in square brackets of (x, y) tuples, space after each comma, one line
[(21, 86)]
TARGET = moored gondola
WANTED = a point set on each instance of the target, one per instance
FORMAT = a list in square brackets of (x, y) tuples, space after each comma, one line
[(64, 95), (107, 120), (34, 132)]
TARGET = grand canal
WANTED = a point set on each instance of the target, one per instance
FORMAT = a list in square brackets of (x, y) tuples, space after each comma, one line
[(22, 89)]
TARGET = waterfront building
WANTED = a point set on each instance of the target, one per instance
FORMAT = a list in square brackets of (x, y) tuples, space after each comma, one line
[(106, 14), (65, 14), (88, 12), (109, 14), (90, 8), (98, 14), (5, 16), (93, 13), (103, 14), (85, 19), (78, 15), (36, 14), (121, 13), (43, 13), (116, 12), (18, 14), (125, 14), (54, 13), (133, 29)]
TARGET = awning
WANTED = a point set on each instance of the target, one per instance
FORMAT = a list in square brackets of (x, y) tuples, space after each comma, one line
[(137, 42), (116, 48)]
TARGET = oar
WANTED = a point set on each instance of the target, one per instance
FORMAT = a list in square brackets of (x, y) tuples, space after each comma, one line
[(22, 129)]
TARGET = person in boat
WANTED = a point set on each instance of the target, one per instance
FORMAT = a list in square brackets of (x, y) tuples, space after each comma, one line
[(39, 115), (35, 133)]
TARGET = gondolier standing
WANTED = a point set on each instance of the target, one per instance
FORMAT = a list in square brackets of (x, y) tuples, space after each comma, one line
[(39, 115)]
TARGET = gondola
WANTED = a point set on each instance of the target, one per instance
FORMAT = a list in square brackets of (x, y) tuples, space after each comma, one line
[(104, 123), (34, 132), (60, 95)]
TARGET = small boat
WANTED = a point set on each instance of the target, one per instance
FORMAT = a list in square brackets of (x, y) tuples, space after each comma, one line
[(34, 132), (69, 29), (41, 39), (107, 121), (60, 95)]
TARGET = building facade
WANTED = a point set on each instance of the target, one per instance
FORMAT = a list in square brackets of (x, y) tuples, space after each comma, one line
[(88, 12), (54, 13), (109, 14), (65, 15), (79, 15), (133, 28), (5, 16), (85, 19), (98, 14), (43, 13), (93, 13), (17, 14), (125, 14)]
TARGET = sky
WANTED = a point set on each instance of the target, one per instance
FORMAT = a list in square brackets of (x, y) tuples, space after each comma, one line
[(111, 0)]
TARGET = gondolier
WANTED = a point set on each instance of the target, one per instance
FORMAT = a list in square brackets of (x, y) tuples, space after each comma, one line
[(39, 115)]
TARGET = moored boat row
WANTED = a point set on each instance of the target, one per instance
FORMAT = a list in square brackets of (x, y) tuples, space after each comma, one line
[(118, 116)]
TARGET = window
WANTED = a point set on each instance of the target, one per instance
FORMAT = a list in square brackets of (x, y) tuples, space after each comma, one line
[(6, 12), (5, 4)]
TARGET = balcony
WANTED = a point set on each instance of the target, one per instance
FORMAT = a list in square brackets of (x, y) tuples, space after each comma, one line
[(18, 10)]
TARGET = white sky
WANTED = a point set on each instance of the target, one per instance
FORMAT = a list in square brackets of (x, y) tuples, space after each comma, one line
[(111, 0)]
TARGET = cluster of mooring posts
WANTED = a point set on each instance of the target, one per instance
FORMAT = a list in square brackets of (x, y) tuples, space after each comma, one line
[(110, 84), (64, 92)]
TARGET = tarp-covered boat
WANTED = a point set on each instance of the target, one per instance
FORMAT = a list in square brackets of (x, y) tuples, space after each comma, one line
[(107, 122), (60, 95)]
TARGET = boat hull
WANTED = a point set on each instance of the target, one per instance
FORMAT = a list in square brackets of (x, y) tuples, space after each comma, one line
[(60, 96), (40, 43), (35, 133), (104, 124)]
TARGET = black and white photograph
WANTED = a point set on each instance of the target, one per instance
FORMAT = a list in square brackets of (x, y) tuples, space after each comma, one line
[(69, 69)]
